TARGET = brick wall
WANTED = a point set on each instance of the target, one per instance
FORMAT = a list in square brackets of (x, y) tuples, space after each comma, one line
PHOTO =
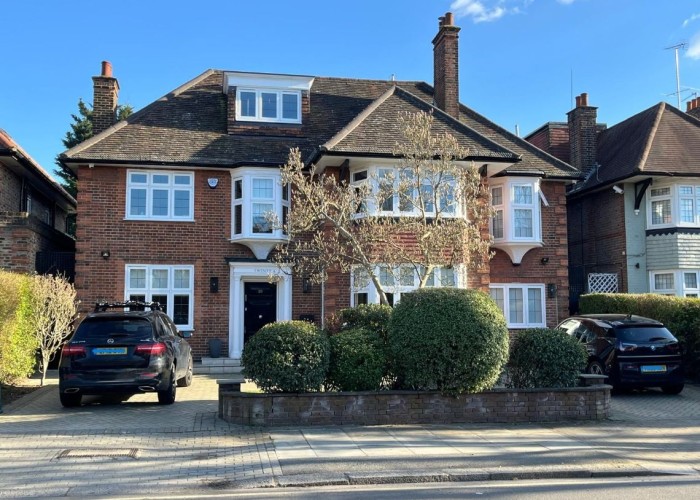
[(531, 269), (104, 104), (10, 190), (204, 244), (554, 139), (412, 407), (22, 236), (582, 134), (597, 242)]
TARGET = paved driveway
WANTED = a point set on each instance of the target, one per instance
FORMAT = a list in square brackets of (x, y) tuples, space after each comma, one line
[(108, 447), (138, 446)]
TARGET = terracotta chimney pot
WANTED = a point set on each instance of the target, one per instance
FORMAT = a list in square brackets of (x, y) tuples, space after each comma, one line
[(107, 69)]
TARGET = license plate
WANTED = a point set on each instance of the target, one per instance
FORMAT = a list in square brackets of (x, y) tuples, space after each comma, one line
[(653, 369), (109, 351)]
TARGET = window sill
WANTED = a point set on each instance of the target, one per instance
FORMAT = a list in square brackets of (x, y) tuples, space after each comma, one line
[(153, 219)]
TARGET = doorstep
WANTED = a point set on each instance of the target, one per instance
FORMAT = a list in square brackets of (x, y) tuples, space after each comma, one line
[(218, 366)]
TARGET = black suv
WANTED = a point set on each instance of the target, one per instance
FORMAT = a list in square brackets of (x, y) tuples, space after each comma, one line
[(631, 350), (125, 352)]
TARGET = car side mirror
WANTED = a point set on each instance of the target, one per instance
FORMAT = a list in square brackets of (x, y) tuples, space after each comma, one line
[(184, 335)]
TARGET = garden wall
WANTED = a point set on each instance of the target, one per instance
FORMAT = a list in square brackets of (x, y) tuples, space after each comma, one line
[(413, 407)]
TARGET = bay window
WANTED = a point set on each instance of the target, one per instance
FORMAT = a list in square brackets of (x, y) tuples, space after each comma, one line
[(676, 282), (673, 205), (260, 204), (397, 280)]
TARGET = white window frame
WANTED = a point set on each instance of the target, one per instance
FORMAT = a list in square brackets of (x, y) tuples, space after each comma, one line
[(374, 174), (678, 289), (440, 277), (148, 291), (675, 197), (278, 202), (508, 206), (280, 93), (150, 186), (506, 288)]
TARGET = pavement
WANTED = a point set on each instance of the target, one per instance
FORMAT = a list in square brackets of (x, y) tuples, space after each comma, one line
[(110, 447)]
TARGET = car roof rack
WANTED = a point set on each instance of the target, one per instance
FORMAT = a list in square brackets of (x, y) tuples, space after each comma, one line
[(133, 305)]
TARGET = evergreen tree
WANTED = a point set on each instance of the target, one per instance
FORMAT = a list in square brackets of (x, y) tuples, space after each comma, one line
[(81, 130)]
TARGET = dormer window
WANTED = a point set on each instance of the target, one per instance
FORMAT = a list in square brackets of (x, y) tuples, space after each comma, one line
[(267, 98), (268, 105)]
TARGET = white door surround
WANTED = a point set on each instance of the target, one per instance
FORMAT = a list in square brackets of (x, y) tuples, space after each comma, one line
[(241, 272)]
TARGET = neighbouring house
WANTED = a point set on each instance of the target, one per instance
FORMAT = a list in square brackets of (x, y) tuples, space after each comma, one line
[(34, 210), (634, 220), (171, 200)]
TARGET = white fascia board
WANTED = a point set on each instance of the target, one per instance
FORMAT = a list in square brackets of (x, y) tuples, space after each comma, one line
[(265, 80)]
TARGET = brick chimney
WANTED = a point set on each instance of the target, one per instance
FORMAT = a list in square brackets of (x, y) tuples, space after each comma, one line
[(104, 103), (694, 108), (582, 134), (446, 66)]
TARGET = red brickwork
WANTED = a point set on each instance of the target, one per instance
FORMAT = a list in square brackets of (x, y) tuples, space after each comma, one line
[(22, 236), (552, 138), (104, 104), (582, 133), (411, 407), (597, 240), (446, 67), (531, 269), (10, 190)]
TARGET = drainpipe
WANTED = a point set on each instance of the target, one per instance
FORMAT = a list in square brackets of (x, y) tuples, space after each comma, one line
[(323, 304)]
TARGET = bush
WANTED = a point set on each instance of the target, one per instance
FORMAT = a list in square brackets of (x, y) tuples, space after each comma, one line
[(288, 356), (372, 317), (357, 361), (448, 339), (679, 314), (542, 357), (17, 341)]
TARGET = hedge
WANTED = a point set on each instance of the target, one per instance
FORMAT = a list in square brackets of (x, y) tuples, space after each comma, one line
[(18, 343), (680, 315)]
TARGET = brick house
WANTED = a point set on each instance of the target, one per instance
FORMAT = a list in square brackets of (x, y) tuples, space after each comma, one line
[(634, 222), (170, 200), (33, 215)]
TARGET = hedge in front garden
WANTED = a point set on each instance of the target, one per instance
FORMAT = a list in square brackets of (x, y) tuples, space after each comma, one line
[(449, 339), (287, 356), (544, 357), (680, 315), (357, 361), (18, 343)]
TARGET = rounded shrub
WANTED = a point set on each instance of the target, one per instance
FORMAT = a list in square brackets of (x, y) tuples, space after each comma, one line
[(449, 339), (288, 356), (357, 361), (543, 357), (371, 317)]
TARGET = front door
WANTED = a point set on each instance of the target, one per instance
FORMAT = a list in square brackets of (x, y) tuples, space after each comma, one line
[(259, 306)]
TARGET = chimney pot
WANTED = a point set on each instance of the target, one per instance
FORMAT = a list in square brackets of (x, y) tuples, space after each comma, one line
[(687, 106), (107, 69), (449, 19), (578, 101), (584, 99)]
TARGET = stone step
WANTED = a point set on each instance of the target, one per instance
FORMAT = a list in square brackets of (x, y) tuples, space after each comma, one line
[(224, 369), (221, 362)]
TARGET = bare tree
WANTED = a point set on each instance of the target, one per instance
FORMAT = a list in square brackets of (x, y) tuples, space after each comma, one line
[(427, 210), (55, 309)]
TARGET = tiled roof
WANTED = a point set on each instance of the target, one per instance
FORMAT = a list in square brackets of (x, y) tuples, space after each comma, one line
[(8, 147), (660, 140), (188, 126)]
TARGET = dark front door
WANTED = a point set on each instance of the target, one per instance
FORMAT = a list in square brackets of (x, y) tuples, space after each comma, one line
[(260, 307)]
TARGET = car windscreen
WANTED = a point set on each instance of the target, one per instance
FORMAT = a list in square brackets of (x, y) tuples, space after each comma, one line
[(135, 329), (645, 334)]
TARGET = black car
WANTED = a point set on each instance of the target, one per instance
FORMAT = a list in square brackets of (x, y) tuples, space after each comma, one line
[(631, 350), (125, 348)]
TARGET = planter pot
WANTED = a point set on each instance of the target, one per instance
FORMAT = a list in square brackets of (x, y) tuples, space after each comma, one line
[(215, 348)]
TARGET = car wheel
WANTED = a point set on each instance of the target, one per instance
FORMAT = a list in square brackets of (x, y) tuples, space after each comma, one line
[(595, 368), (70, 400), (167, 396), (672, 389), (186, 381)]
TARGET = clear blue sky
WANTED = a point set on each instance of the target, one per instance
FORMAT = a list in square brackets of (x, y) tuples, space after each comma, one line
[(517, 57)]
